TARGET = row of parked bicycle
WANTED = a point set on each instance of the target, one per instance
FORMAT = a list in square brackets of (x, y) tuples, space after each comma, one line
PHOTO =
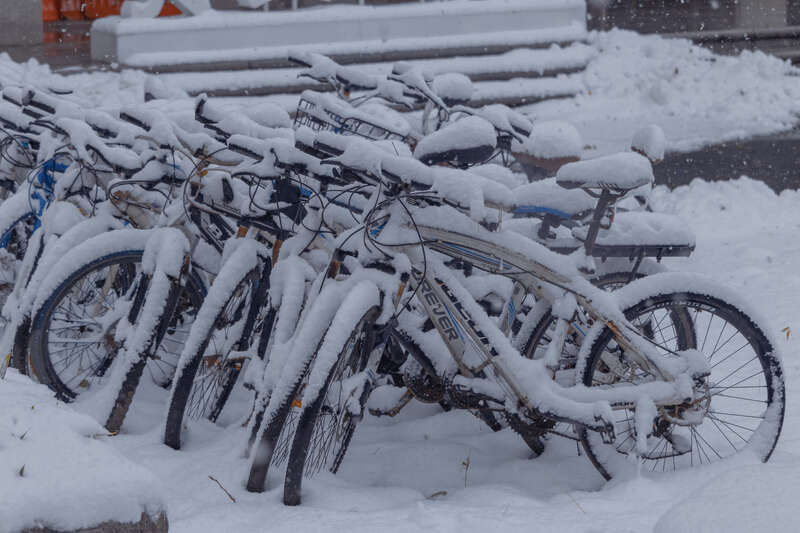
[(391, 243)]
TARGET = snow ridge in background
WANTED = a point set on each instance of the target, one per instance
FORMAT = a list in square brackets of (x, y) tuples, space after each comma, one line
[(697, 97), (631, 81), (746, 237)]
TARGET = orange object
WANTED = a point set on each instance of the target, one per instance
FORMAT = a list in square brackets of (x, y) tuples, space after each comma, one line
[(91, 9), (169, 10), (49, 10), (70, 9), (95, 9)]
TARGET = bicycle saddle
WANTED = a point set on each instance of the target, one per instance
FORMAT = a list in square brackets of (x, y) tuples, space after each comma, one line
[(546, 197), (462, 144), (356, 80), (453, 88), (620, 172)]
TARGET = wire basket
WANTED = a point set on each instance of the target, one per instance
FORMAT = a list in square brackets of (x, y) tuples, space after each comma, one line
[(319, 118)]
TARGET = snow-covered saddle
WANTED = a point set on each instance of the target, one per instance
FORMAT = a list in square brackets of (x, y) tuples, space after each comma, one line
[(464, 143), (620, 172), (545, 197)]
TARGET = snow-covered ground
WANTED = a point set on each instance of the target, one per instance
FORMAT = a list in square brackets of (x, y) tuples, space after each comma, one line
[(409, 474), (697, 97), (631, 80)]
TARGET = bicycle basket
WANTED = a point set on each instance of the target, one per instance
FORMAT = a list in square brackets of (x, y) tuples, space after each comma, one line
[(321, 117)]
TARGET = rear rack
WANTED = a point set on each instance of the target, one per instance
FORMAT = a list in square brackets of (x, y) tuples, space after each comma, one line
[(635, 251), (632, 252)]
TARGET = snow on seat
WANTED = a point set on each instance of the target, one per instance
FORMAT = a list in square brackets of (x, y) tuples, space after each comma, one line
[(505, 119), (623, 171), (650, 142), (354, 79), (500, 174), (550, 145), (453, 88), (467, 142), (547, 197)]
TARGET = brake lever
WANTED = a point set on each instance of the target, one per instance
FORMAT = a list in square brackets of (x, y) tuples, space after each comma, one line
[(315, 78)]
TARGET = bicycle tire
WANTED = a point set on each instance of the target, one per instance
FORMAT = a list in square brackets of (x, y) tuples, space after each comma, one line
[(184, 386), (39, 358), (263, 449), (352, 357), (609, 459)]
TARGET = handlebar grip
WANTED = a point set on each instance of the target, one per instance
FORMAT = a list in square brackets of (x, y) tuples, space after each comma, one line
[(136, 121), (199, 111), (33, 99), (243, 151)]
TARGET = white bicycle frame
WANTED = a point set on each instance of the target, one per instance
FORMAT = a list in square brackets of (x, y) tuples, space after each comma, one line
[(457, 327)]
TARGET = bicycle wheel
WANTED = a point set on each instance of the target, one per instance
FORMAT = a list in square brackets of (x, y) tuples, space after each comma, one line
[(270, 447), (209, 373), (743, 404), (539, 339), (326, 423), (73, 342)]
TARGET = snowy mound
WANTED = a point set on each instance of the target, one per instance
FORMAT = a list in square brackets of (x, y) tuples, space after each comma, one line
[(469, 139), (500, 174), (548, 193), (58, 470), (752, 498), (552, 139), (453, 88), (635, 227), (650, 142), (697, 97), (270, 115)]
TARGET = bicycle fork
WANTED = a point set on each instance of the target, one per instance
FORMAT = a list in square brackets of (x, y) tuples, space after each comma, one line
[(152, 312)]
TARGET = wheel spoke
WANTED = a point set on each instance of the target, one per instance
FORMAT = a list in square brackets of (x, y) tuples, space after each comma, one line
[(739, 385)]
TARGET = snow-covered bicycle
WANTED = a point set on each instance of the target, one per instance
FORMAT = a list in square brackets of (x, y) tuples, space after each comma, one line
[(670, 399)]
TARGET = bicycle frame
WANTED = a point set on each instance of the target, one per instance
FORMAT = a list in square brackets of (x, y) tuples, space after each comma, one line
[(457, 327)]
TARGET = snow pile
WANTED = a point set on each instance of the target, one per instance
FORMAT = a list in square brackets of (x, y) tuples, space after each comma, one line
[(270, 115), (552, 139), (650, 142), (500, 174), (750, 498), (453, 87), (58, 470), (697, 97), (644, 228), (89, 89)]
